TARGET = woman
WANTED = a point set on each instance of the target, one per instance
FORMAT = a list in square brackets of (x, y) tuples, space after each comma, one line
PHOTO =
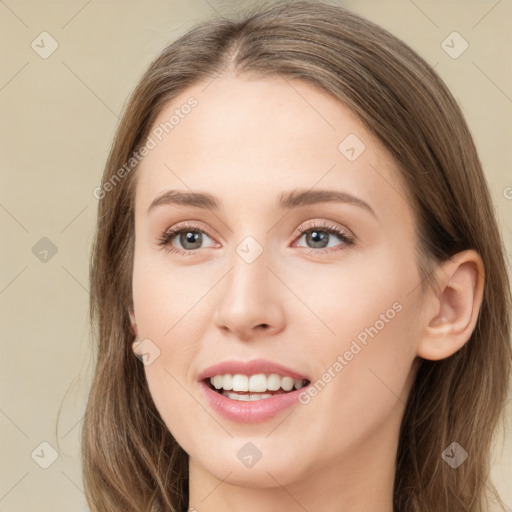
[(295, 238)]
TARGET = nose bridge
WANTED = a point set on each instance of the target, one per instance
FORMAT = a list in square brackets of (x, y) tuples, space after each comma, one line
[(249, 297), (249, 258), (248, 279)]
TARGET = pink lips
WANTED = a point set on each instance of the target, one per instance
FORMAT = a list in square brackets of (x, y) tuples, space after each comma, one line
[(251, 411)]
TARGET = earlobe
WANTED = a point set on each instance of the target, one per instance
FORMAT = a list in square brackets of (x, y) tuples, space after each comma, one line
[(133, 323), (136, 348), (455, 306)]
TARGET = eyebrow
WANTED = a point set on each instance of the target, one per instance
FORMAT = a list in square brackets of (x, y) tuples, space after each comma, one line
[(288, 200)]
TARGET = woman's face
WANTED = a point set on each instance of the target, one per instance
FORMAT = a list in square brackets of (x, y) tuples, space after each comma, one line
[(306, 261)]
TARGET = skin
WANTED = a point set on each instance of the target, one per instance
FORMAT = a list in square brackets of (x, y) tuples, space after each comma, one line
[(246, 142)]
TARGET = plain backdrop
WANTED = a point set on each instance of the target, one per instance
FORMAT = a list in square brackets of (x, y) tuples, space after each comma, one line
[(59, 112)]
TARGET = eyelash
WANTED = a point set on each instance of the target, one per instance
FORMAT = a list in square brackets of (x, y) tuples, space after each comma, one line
[(165, 240)]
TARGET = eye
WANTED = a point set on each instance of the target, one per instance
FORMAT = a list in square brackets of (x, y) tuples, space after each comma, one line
[(320, 234), (190, 237)]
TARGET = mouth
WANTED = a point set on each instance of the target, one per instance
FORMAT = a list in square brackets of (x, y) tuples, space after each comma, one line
[(248, 388), (251, 391)]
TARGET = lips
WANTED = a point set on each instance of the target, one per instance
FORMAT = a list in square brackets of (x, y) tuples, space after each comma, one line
[(251, 407)]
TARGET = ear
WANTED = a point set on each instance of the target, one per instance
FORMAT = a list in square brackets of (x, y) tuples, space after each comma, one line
[(137, 349), (452, 309), (133, 323)]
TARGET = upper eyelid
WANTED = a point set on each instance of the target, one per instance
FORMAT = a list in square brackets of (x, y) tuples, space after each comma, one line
[(325, 224), (191, 225)]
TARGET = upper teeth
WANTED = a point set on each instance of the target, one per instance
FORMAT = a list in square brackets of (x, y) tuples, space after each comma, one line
[(256, 383)]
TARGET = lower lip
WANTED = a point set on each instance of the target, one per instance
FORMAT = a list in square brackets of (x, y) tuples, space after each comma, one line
[(249, 412)]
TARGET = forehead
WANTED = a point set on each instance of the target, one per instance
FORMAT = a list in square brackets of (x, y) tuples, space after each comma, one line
[(243, 138)]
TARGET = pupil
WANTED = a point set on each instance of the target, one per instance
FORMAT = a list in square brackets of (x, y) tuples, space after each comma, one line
[(318, 240), (192, 238)]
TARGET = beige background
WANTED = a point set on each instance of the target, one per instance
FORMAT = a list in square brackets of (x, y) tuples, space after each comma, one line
[(58, 118)]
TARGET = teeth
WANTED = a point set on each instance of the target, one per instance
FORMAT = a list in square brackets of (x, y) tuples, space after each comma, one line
[(217, 381), (273, 382), (287, 383), (258, 383), (246, 398), (240, 382), (227, 382), (297, 384)]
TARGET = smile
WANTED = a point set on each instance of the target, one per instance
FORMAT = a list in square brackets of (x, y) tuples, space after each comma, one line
[(254, 387), (251, 391)]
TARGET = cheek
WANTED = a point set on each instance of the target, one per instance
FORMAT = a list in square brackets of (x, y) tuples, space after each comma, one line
[(164, 296), (180, 410), (172, 393), (360, 389), (363, 358), (358, 297), (170, 313)]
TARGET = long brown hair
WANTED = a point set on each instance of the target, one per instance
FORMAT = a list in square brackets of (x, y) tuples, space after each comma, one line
[(131, 462)]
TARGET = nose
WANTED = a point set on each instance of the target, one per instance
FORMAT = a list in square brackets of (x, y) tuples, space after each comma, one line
[(250, 303)]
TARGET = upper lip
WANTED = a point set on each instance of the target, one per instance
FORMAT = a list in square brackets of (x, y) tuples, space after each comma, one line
[(251, 367)]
